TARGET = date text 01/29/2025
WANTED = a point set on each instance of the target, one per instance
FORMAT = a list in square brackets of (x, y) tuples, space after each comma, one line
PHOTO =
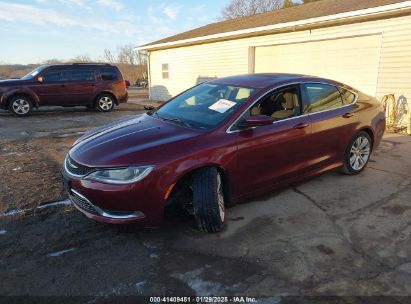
[(238, 299)]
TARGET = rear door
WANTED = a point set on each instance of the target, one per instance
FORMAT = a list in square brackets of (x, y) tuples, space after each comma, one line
[(334, 118), (82, 85), (269, 154), (53, 90)]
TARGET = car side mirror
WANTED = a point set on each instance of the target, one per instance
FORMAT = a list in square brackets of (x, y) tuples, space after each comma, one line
[(40, 79), (149, 108), (258, 120)]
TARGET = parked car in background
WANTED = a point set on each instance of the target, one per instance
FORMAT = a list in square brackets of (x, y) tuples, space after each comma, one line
[(142, 83), (220, 143), (99, 86)]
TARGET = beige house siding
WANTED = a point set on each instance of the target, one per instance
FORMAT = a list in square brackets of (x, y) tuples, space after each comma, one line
[(193, 64)]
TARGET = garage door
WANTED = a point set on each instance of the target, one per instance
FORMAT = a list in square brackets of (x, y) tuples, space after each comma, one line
[(353, 61)]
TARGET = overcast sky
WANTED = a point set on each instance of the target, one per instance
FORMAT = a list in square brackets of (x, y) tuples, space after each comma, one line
[(34, 31)]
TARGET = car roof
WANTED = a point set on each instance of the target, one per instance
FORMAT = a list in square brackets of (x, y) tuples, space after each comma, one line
[(266, 80), (79, 64)]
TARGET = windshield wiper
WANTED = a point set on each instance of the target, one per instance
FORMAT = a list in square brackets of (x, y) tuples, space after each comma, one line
[(177, 120)]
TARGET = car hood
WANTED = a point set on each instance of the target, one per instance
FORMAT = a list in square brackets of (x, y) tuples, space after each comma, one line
[(10, 82), (139, 140)]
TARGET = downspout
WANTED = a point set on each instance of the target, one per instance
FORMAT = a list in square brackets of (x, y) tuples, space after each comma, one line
[(149, 75)]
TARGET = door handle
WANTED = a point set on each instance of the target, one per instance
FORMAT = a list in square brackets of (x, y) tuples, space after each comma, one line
[(348, 115), (301, 126)]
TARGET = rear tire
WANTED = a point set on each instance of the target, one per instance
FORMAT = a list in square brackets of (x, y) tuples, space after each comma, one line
[(208, 199), (20, 105), (357, 154), (105, 103)]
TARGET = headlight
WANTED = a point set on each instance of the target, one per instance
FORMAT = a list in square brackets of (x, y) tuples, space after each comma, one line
[(120, 176)]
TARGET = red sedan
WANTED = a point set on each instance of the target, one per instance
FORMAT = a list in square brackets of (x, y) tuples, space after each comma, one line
[(220, 143)]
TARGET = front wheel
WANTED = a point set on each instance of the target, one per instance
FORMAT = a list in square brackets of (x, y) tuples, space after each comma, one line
[(208, 199), (357, 154), (105, 103), (20, 106)]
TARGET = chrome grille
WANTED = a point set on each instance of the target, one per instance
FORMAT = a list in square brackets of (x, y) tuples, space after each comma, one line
[(83, 203), (75, 168)]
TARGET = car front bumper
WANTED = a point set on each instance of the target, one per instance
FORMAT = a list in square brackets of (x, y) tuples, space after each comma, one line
[(116, 204)]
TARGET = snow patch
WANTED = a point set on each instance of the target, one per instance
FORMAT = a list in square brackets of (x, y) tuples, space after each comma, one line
[(16, 211), (65, 202), (58, 253), (13, 212), (140, 286), (195, 282)]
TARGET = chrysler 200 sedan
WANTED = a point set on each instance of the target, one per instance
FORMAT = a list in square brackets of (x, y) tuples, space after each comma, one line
[(220, 143)]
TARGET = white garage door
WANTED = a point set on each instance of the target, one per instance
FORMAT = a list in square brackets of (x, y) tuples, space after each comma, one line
[(353, 61)]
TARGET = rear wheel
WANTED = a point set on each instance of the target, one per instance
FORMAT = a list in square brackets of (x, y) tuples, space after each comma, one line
[(208, 199), (357, 154), (105, 103), (20, 106)]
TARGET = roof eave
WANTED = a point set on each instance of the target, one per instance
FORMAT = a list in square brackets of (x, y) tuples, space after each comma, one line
[(391, 8)]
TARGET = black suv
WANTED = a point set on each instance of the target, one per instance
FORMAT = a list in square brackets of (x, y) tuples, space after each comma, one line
[(97, 86)]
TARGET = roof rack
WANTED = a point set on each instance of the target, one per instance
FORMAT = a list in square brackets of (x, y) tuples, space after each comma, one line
[(93, 63)]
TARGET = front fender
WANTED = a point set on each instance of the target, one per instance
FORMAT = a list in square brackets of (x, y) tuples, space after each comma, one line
[(21, 91)]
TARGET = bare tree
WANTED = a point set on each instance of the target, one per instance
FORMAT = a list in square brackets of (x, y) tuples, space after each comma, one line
[(126, 54), (81, 59), (108, 56), (242, 8), (289, 3)]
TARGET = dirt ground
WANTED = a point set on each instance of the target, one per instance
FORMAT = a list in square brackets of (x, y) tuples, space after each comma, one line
[(334, 235)]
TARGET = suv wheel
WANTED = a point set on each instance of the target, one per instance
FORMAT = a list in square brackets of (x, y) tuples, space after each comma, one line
[(357, 154), (20, 105), (208, 199), (105, 103)]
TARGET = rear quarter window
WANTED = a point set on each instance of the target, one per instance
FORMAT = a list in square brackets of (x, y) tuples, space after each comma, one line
[(347, 96), (109, 74)]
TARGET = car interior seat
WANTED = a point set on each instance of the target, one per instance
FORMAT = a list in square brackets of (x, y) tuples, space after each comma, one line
[(290, 106)]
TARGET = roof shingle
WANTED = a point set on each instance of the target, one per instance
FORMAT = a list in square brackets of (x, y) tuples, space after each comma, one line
[(296, 13)]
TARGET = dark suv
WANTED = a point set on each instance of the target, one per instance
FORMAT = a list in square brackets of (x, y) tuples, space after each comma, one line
[(97, 86)]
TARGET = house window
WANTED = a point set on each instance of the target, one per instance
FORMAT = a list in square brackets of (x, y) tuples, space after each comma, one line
[(165, 71)]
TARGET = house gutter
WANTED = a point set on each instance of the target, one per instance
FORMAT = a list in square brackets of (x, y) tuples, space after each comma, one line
[(294, 24)]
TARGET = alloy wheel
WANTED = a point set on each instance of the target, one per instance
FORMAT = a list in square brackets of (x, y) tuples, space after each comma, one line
[(21, 106), (359, 153), (105, 103)]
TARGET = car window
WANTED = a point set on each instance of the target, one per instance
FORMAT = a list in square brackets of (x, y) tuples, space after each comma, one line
[(347, 96), (108, 74), (321, 97), (34, 73), (206, 105), (54, 75), (280, 104), (81, 74)]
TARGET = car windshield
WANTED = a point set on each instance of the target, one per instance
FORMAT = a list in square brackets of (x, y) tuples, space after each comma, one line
[(33, 73), (204, 106)]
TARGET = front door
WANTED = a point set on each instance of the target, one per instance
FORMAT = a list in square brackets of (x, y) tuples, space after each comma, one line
[(270, 154), (53, 91)]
